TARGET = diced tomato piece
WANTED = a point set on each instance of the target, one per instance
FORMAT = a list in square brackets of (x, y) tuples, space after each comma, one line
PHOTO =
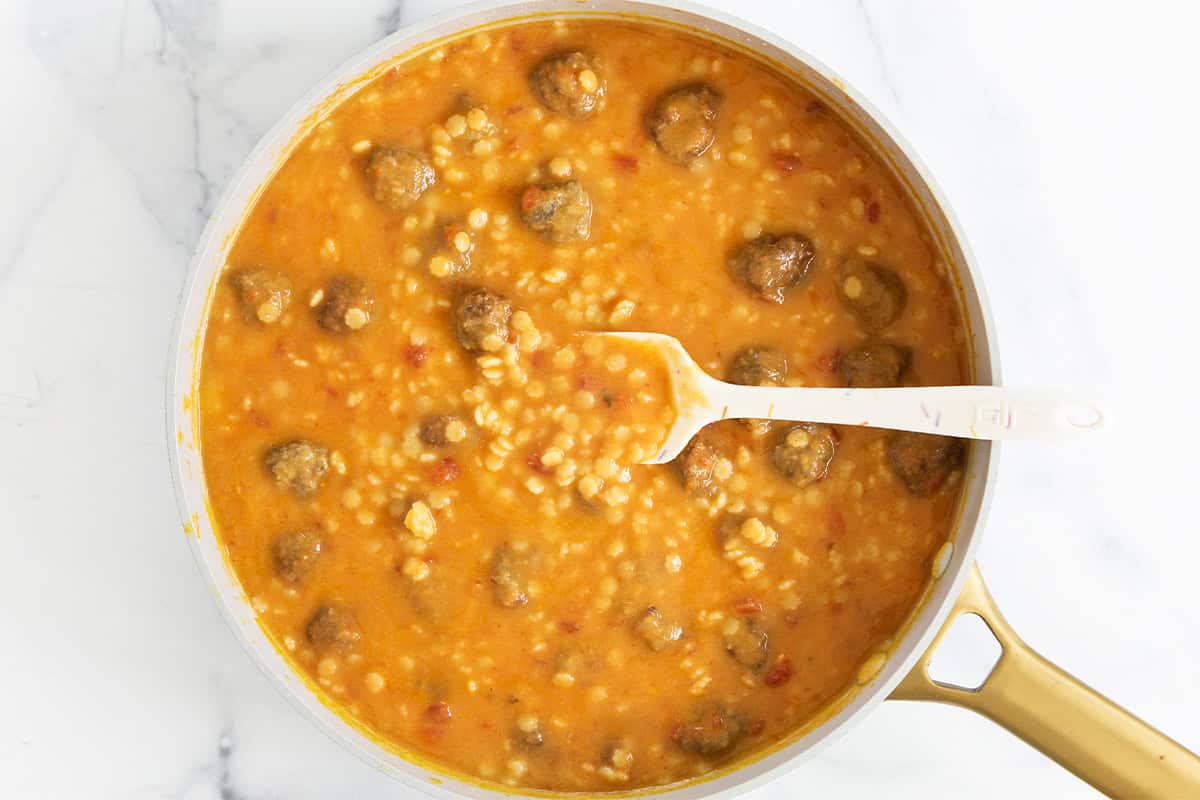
[(439, 712), (535, 463), (787, 163), (415, 355), (625, 161), (748, 605), (529, 198), (443, 471), (780, 672)]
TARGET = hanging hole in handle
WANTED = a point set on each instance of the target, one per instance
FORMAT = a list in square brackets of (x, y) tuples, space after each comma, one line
[(1082, 416), (966, 655)]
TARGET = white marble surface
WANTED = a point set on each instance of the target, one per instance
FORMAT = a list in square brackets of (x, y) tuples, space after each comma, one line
[(1063, 133)]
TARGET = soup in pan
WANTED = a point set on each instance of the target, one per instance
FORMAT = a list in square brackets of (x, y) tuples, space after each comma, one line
[(428, 481)]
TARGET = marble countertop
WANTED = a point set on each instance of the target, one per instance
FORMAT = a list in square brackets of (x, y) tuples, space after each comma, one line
[(1063, 134)]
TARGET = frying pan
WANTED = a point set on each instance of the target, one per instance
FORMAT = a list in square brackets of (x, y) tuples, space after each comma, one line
[(1086, 733)]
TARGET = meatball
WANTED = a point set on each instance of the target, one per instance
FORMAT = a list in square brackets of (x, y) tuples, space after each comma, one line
[(481, 320), (804, 452), (874, 365), (875, 295), (510, 575), (443, 429), (397, 177), (698, 467), (770, 265), (568, 84), (758, 366), (346, 306), (746, 643), (558, 212), (295, 554), (299, 466), (333, 627), (923, 461), (682, 121), (264, 294), (714, 729), (656, 630)]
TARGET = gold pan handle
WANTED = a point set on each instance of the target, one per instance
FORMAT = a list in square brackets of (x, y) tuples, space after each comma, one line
[(1066, 720)]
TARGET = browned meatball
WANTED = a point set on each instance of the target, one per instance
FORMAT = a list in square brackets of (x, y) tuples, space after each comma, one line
[(510, 573), (569, 84), (397, 177), (434, 430), (656, 630), (804, 452), (299, 466), (746, 643), (333, 627), (682, 121), (346, 306), (875, 295), (558, 212), (874, 365), (923, 461), (296, 553), (714, 729), (697, 467), (759, 366), (481, 320), (770, 265), (264, 294)]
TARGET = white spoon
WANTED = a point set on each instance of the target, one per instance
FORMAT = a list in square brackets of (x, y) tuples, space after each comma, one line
[(970, 412)]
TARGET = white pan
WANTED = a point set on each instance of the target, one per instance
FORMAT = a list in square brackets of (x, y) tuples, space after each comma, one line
[(1089, 735)]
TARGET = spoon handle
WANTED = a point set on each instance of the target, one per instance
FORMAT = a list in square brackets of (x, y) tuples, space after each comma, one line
[(975, 412)]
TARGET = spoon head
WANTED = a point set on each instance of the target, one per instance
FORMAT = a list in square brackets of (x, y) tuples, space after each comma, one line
[(688, 395)]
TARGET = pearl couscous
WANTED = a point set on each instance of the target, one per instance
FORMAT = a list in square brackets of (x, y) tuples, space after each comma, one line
[(429, 482)]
